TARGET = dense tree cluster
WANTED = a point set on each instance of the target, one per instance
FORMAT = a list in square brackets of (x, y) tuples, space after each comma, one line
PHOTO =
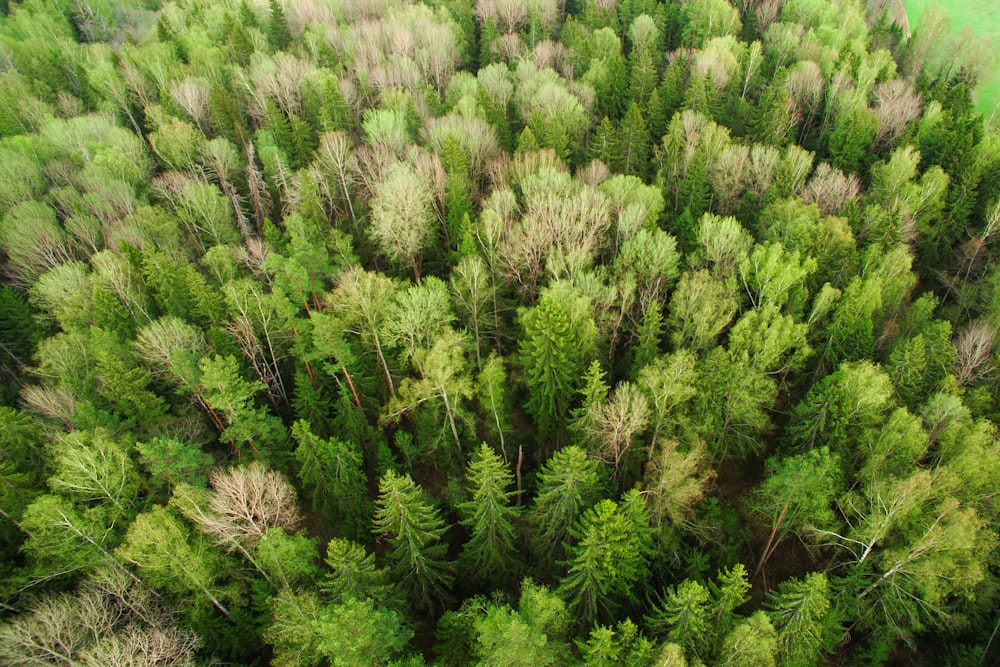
[(496, 332)]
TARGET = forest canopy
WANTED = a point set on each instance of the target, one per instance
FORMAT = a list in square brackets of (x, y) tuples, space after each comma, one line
[(496, 332)]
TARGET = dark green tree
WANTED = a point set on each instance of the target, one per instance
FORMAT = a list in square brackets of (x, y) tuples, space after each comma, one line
[(278, 34), (413, 529), (491, 552), (568, 484), (552, 364), (332, 473)]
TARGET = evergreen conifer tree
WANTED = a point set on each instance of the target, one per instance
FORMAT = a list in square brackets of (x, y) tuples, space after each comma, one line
[(568, 484), (278, 33), (413, 529), (491, 552), (551, 367)]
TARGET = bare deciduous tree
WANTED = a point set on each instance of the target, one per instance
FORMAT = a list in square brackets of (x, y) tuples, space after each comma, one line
[(246, 502), (830, 189), (974, 348), (191, 95), (897, 105)]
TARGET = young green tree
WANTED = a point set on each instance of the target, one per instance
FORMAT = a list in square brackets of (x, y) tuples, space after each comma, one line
[(413, 529), (684, 616), (610, 557), (552, 363), (491, 552), (800, 612), (752, 643), (353, 574), (568, 484), (332, 472)]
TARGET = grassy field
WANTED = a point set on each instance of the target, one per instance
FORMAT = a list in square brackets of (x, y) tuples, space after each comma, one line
[(983, 18)]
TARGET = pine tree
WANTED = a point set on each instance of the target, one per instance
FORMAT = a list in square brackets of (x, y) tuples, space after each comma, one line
[(413, 530), (611, 556), (332, 472), (278, 33), (568, 483), (491, 552), (551, 367)]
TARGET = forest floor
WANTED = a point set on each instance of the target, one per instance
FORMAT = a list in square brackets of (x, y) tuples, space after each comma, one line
[(982, 17)]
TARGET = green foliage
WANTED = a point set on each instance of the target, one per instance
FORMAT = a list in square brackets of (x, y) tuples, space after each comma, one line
[(800, 610), (333, 473), (413, 530), (552, 358), (568, 484), (610, 556), (711, 283), (491, 552)]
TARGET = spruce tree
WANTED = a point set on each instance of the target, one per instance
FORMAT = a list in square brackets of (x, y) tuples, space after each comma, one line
[(611, 556), (604, 145), (278, 34), (332, 473), (634, 141), (413, 528), (800, 611), (568, 483), (491, 552), (551, 367)]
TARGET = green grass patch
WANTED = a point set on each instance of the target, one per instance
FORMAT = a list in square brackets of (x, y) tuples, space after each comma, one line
[(982, 17)]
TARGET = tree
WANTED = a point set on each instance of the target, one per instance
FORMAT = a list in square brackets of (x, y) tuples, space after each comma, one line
[(278, 33), (552, 360), (854, 132), (700, 309), (435, 399), (800, 612), (358, 633), (797, 496), (675, 482), (731, 401), (474, 296), (402, 220), (634, 142), (353, 574), (230, 400), (109, 620), (332, 471), (170, 558), (622, 645), (413, 530), (534, 634), (493, 393), (92, 468), (839, 409), (684, 616), (613, 545), (611, 425), (491, 552), (568, 484), (246, 502), (752, 643), (354, 632)]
